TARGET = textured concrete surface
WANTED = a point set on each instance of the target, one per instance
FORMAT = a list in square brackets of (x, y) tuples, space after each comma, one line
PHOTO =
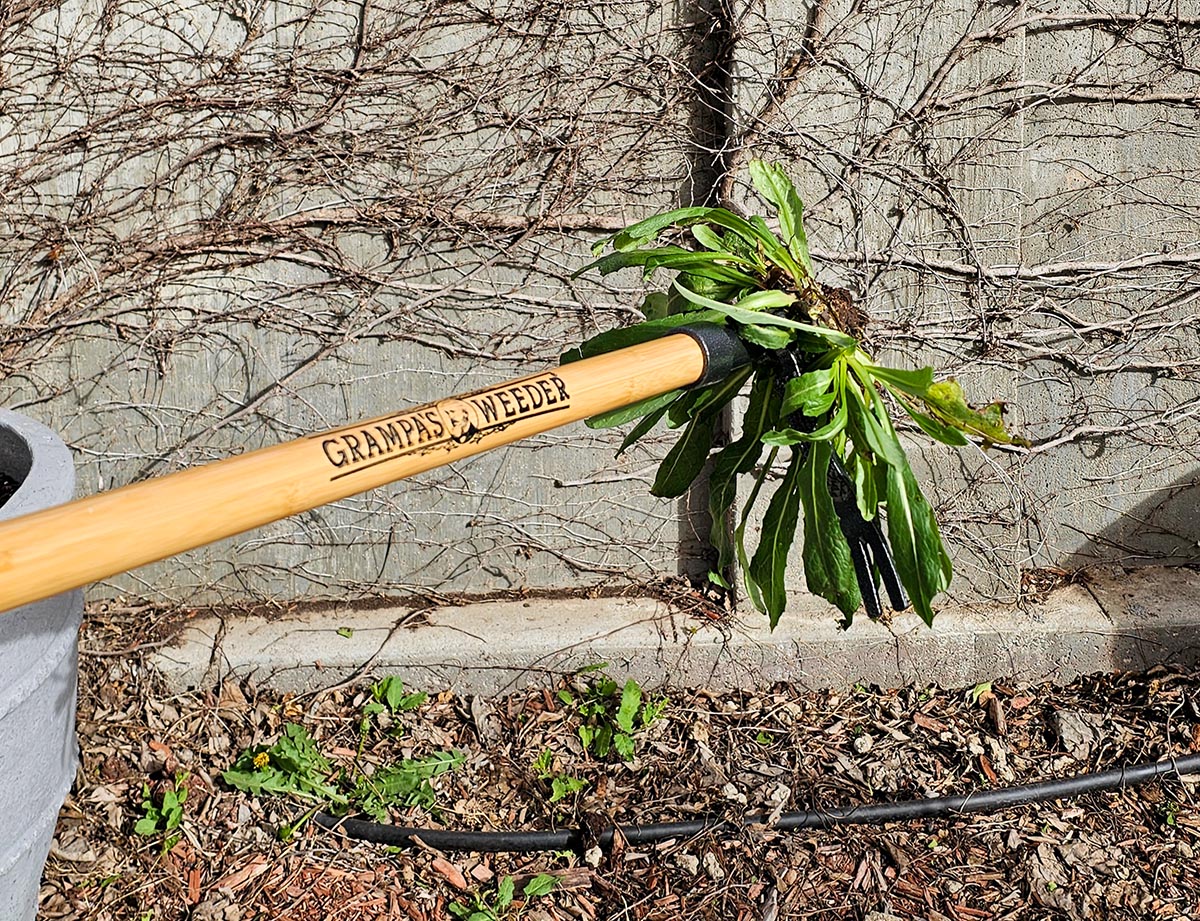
[(1009, 190), (959, 174), (1116, 622)]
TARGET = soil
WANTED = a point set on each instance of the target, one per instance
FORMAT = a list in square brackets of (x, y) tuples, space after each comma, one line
[(8, 486), (1123, 855)]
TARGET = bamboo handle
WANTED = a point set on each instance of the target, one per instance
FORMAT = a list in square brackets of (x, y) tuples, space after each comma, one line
[(71, 545)]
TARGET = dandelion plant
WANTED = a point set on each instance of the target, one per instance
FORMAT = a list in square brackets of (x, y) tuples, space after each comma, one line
[(737, 272)]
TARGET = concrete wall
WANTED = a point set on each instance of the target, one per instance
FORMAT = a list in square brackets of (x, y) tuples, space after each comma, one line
[(226, 224), (1013, 192)]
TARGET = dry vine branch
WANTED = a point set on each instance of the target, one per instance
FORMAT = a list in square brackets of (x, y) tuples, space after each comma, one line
[(224, 223)]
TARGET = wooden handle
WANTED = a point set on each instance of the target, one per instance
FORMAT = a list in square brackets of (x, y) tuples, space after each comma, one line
[(70, 545)]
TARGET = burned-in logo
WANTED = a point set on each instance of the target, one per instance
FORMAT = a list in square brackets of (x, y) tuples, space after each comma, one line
[(442, 425), (461, 419)]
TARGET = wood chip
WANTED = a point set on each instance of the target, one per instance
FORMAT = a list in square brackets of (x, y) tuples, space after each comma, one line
[(252, 869), (928, 722), (450, 873)]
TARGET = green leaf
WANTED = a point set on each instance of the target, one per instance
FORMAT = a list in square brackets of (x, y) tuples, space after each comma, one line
[(948, 408), (642, 429), (561, 787), (685, 460), (146, 826), (652, 710), (504, 892), (644, 231), (866, 484), (625, 336), (633, 411), (828, 566), (761, 318), (656, 306), (623, 746), (737, 457), (707, 264), (708, 238), (631, 699), (805, 389), (703, 285), (819, 405), (946, 403), (766, 300), (714, 398), (753, 589), (778, 532), (391, 691), (916, 381), (921, 558), (774, 185), (767, 337), (936, 430), (829, 430), (542, 884), (871, 436)]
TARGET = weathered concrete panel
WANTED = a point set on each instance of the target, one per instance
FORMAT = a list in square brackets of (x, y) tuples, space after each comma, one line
[(224, 226), (1010, 191)]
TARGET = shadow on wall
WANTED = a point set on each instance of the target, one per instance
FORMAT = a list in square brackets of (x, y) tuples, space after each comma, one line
[(1162, 530), (1154, 600)]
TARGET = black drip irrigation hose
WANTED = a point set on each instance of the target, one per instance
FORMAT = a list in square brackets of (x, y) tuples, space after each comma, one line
[(934, 807)]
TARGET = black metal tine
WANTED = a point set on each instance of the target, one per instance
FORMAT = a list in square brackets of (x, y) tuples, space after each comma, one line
[(870, 553), (866, 581), (897, 596)]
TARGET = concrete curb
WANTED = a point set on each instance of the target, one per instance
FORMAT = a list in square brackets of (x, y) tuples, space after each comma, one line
[(1131, 621)]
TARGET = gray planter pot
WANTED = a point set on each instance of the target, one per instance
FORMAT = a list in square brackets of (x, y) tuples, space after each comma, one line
[(38, 670)]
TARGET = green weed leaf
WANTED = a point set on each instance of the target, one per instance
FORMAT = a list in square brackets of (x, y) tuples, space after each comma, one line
[(633, 411), (504, 893), (828, 567), (737, 458), (778, 532), (542, 884), (631, 700), (635, 335), (774, 185), (921, 559), (685, 459)]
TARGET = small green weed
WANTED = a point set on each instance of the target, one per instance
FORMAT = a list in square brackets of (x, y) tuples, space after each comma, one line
[(611, 715), (402, 785), (387, 695), (980, 692), (390, 692), (561, 785), (497, 905), (294, 766), (165, 813)]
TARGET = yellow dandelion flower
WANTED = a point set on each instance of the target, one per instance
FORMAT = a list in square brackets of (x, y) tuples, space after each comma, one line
[(261, 760)]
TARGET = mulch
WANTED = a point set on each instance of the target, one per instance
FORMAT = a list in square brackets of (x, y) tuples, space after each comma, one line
[(1128, 854)]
